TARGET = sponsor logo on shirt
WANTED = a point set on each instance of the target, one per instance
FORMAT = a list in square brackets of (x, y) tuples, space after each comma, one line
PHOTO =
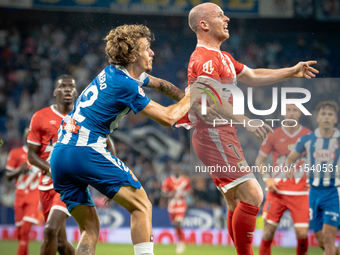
[(324, 155)]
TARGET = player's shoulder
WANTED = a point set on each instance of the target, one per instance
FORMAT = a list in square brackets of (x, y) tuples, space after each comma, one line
[(306, 130), (43, 112), (307, 137)]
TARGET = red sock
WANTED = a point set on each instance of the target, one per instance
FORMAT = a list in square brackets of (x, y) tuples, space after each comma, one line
[(265, 246), (229, 224), (24, 236), (180, 234), (244, 221), (302, 246)]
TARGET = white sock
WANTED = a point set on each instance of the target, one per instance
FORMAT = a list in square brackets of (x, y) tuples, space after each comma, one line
[(143, 248)]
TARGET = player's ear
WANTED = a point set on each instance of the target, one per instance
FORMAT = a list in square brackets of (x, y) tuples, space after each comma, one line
[(54, 93), (204, 25)]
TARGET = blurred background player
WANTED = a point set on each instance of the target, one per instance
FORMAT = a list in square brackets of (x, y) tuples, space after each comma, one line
[(84, 131), (322, 167), (176, 187), (42, 136), (284, 194), (219, 145), (26, 194)]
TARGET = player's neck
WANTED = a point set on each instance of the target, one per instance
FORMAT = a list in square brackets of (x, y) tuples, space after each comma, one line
[(209, 43), (292, 130), (326, 132), (135, 72), (63, 109)]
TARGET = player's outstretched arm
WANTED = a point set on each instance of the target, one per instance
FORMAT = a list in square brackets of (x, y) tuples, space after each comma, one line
[(262, 76), (34, 158), (166, 88), (167, 116)]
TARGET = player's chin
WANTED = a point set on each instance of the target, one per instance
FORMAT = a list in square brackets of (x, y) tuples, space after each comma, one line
[(148, 69)]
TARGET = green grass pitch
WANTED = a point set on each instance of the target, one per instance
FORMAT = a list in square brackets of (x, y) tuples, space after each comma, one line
[(10, 247)]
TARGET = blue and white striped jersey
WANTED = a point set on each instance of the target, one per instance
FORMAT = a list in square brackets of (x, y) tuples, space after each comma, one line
[(108, 98), (322, 163)]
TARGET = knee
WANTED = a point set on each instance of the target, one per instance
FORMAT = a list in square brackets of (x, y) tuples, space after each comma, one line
[(144, 207), (50, 232), (268, 234), (302, 233), (327, 239)]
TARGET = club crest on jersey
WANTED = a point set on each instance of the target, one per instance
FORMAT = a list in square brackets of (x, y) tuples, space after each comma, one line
[(335, 145), (324, 155), (141, 91), (207, 67), (71, 126)]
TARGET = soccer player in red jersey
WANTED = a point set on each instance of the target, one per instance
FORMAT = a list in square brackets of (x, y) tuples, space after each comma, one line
[(42, 136), (219, 145), (26, 194), (176, 187), (284, 193)]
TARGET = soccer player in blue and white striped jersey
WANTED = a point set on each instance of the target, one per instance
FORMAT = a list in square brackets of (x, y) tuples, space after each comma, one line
[(80, 157), (322, 163)]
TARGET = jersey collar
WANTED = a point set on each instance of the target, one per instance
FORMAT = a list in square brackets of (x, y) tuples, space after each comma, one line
[(140, 79), (289, 134), (200, 45), (336, 133)]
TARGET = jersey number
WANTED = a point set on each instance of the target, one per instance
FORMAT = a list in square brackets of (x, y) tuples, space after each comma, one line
[(234, 149), (207, 67), (77, 116)]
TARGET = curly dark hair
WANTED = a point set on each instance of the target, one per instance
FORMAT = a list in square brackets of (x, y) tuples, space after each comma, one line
[(122, 43), (330, 104)]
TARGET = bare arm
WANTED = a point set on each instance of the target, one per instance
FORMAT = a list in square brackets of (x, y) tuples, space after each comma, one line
[(167, 116), (262, 76), (34, 159), (166, 88), (12, 174), (110, 146), (271, 184)]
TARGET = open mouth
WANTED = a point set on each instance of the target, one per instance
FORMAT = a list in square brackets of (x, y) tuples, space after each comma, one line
[(225, 28)]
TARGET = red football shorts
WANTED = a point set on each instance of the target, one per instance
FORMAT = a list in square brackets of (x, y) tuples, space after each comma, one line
[(220, 151), (26, 207), (50, 199), (277, 204)]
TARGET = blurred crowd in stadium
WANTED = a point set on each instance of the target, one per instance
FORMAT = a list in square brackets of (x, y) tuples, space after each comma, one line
[(32, 56)]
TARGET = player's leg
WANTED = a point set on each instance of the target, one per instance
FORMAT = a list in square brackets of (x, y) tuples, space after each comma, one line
[(19, 215), (299, 210), (87, 219), (64, 246), (267, 239), (328, 239), (232, 202), (177, 223), (273, 210), (244, 216), (24, 238), (137, 203), (56, 219)]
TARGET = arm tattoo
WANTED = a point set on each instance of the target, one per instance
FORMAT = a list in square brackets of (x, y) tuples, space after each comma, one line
[(166, 88)]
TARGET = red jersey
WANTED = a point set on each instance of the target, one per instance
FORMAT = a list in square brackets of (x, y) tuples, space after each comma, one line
[(43, 132), (178, 186), (28, 182), (281, 143), (211, 64)]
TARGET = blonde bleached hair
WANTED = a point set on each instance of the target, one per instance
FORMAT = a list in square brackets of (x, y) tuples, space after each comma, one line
[(122, 43)]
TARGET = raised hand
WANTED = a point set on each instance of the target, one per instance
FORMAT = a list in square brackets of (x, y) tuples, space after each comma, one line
[(303, 69)]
